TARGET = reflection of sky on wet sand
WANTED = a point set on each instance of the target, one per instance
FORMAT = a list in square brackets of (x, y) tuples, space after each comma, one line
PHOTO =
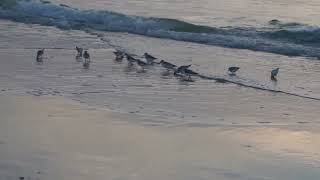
[(298, 144), (66, 140)]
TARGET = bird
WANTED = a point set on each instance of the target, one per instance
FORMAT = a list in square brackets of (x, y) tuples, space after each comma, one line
[(149, 58), (86, 62), (186, 78), (190, 72), (167, 65), (182, 69), (86, 55), (274, 73), (166, 73), (80, 51), (131, 60), (40, 55), (119, 55), (140, 62), (140, 65), (233, 70)]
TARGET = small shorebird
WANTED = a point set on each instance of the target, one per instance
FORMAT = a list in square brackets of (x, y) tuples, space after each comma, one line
[(79, 51), (86, 55), (233, 70), (190, 72), (167, 65), (274, 73), (186, 78), (141, 63), (40, 55), (182, 69), (119, 55), (86, 62), (131, 60), (149, 58)]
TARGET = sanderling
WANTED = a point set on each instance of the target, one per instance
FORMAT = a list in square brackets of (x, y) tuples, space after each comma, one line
[(167, 65), (40, 55), (119, 55), (149, 58), (87, 59), (131, 60), (79, 51), (182, 69), (233, 70), (274, 73)]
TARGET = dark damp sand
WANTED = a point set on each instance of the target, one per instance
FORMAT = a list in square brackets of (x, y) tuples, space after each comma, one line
[(54, 138)]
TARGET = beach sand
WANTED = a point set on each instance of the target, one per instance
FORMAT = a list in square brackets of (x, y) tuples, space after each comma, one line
[(55, 138)]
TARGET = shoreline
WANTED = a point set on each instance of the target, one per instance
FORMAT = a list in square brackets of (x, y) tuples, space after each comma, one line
[(60, 121)]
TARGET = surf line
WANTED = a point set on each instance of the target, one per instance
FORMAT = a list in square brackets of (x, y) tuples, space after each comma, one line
[(217, 79), (223, 80), (36, 48)]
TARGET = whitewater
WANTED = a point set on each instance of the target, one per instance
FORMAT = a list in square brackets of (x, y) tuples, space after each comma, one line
[(285, 38)]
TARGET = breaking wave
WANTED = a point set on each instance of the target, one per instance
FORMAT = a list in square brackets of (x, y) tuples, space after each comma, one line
[(291, 39)]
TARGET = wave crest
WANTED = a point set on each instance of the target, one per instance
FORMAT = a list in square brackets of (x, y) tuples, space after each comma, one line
[(292, 39)]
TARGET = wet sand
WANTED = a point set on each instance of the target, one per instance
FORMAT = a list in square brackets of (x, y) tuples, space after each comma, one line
[(54, 138), (60, 121)]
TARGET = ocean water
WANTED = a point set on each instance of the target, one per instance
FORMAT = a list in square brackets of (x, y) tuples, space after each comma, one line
[(274, 33), (239, 13)]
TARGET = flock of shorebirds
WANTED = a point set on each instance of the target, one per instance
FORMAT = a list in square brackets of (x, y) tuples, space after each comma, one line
[(181, 71)]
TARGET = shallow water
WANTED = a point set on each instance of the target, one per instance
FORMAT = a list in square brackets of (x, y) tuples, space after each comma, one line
[(161, 99), (213, 13), (277, 36)]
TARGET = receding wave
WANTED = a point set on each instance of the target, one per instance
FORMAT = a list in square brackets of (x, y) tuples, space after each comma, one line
[(292, 39)]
